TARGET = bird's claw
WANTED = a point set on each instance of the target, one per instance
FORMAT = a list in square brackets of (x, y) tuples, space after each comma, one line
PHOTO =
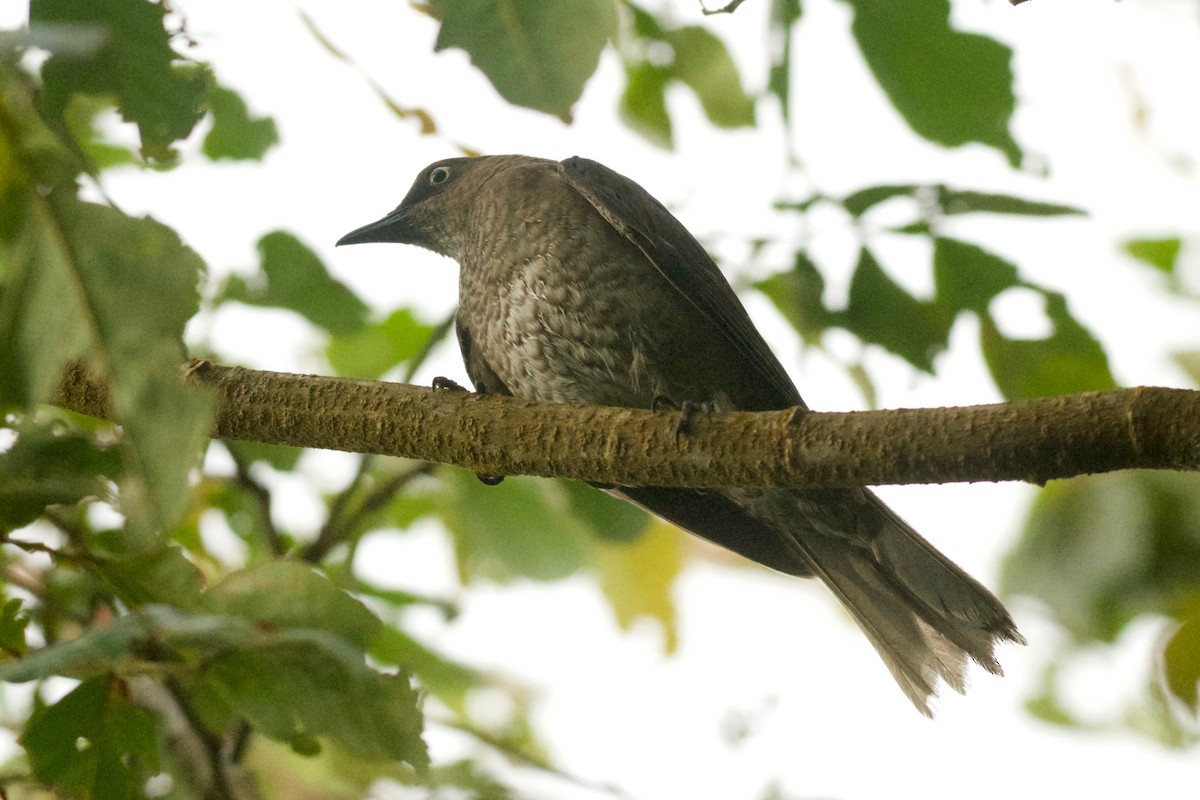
[(444, 384), (441, 383), (688, 410)]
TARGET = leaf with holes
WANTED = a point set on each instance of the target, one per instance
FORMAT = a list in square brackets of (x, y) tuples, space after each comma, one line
[(93, 743), (967, 277), (1069, 360), (121, 50)]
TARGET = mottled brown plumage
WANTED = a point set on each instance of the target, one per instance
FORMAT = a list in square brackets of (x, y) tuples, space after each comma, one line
[(577, 286)]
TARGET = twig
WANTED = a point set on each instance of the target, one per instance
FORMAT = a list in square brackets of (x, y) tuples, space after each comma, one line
[(332, 535), (219, 787), (337, 524), (262, 499)]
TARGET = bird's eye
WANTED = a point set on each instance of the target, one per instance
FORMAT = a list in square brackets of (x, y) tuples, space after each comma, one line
[(439, 175)]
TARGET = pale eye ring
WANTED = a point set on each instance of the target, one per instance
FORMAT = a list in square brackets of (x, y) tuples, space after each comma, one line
[(439, 175)]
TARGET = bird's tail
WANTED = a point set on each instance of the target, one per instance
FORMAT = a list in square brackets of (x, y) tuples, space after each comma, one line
[(923, 614)]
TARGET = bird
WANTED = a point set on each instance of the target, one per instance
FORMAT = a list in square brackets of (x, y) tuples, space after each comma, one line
[(577, 286)]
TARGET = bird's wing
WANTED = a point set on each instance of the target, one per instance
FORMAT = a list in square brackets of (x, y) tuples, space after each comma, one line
[(676, 254), (718, 518), (483, 377)]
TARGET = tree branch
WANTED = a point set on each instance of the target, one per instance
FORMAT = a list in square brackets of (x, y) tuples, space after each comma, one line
[(1034, 440)]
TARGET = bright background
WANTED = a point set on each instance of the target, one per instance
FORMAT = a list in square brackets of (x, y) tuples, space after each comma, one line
[(772, 688)]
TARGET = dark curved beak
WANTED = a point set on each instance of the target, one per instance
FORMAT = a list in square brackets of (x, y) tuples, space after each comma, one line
[(392, 228)]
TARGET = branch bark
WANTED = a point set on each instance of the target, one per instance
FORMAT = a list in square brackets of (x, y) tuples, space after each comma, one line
[(1034, 440)]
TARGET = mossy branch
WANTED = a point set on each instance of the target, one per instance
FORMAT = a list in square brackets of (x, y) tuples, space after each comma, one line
[(1036, 440)]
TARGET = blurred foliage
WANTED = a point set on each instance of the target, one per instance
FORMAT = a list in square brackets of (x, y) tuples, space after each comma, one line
[(967, 279), (282, 655), (657, 56), (536, 54), (951, 87), (1103, 551)]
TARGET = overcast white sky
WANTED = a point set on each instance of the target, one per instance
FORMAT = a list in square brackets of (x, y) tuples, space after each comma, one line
[(826, 719)]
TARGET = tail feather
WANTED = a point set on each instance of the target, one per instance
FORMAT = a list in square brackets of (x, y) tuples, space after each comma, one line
[(923, 614), (916, 653)]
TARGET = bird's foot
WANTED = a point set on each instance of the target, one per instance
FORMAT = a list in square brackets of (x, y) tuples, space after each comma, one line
[(441, 383), (688, 410)]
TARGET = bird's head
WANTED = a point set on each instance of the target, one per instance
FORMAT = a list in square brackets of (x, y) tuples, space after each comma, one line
[(435, 213)]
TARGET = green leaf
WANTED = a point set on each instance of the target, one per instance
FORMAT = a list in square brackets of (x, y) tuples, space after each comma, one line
[(1162, 254), (1100, 550), (608, 518), (45, 466), (644, 102), (1069, 360), (141, 283), (961, 201), (293, 684), (85, 281), (12, 628), (447, 679), (691, 55), (290, 594), (536, 54), (782, 19), (297, 280), (122, 50), (967, 277), (81, 116), (235, 134), (93, 743), (858, 203), (703, 63), (881, 312), (918, 228), (118, 647), (378, 347), (33, 344), (310, 685), (951, 87), (519, 528), (637, 578), (797, 294), (1181, 660), (281, 457), (162, 574), (405, 509)]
